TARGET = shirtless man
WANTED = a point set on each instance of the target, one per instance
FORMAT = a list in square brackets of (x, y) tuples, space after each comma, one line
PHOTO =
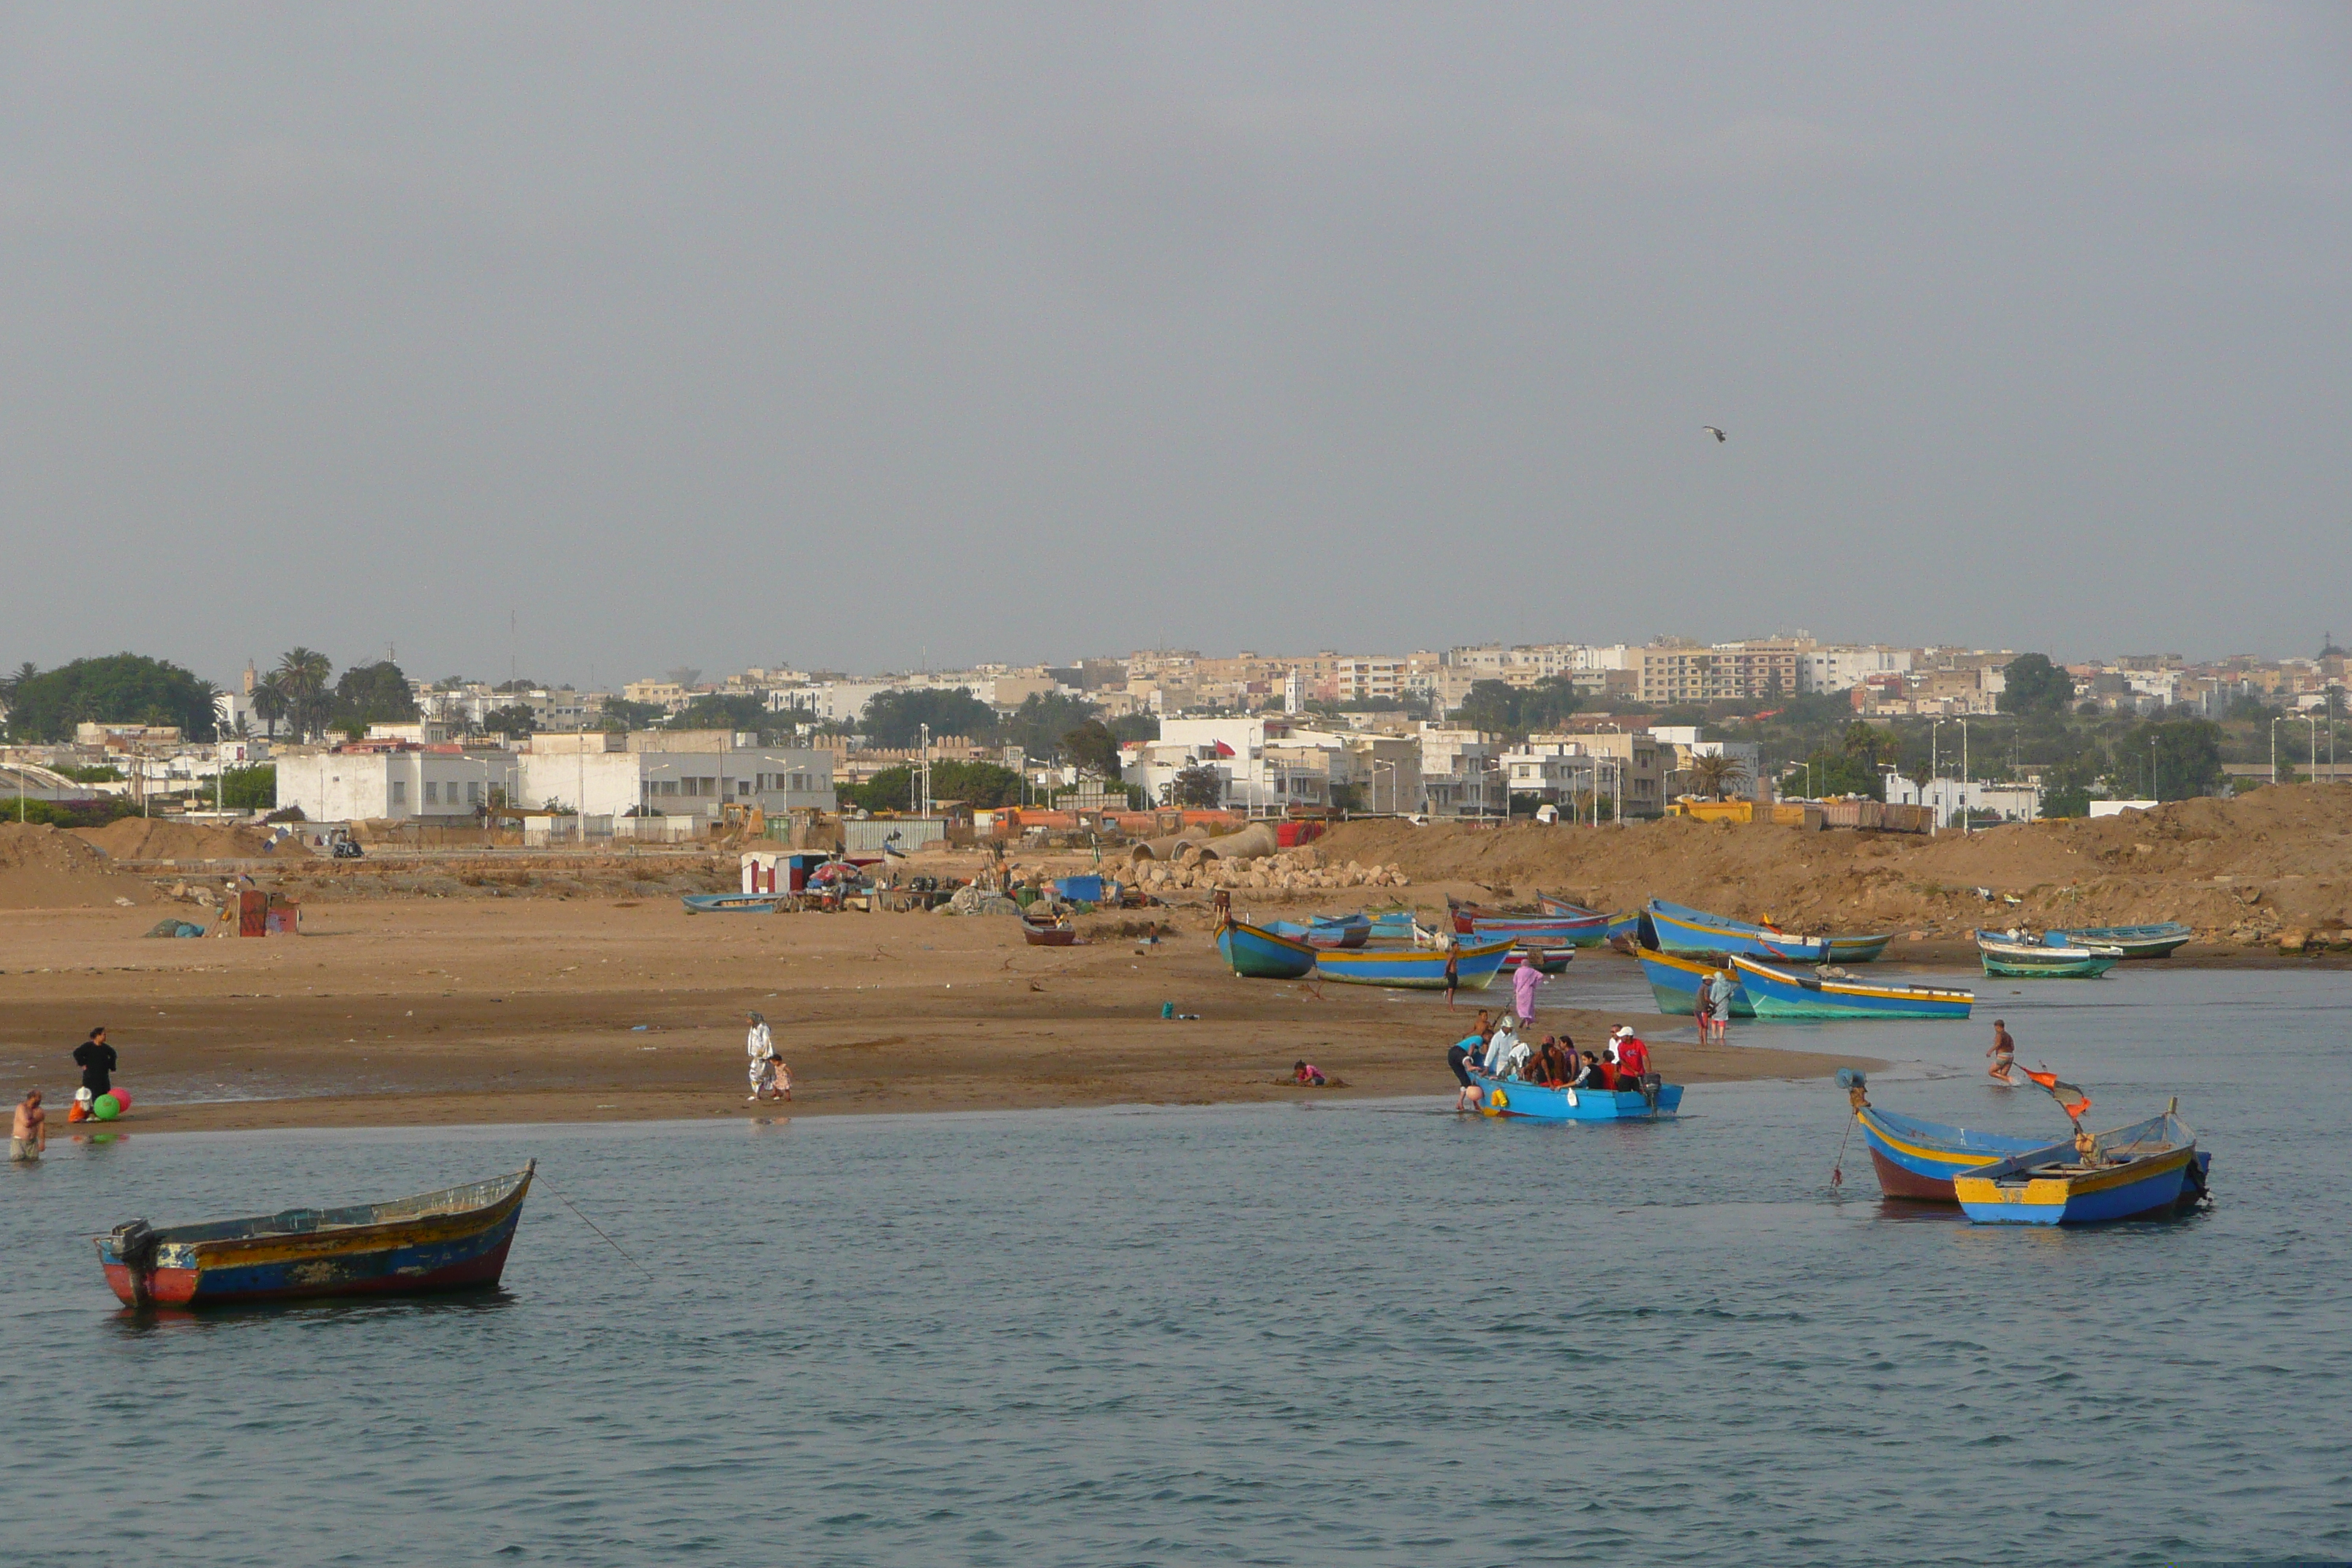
[(29, 1136), (2003, 1054)]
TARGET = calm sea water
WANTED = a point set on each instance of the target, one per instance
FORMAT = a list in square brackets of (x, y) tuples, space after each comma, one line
[(1373, 1333)]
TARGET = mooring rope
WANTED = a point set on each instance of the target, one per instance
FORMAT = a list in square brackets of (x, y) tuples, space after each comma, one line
[(592, 1224)]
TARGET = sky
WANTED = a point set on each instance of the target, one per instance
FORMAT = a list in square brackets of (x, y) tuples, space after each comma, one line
[(582, 341)]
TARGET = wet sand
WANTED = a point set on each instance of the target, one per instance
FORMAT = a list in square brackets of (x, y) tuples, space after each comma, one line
[(443, 1012)]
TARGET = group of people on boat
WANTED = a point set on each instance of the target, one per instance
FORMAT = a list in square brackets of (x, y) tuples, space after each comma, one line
[(1496, 1050)]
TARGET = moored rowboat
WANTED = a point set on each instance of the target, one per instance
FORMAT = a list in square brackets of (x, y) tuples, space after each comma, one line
[(729, 903), (1585, 928), (2150, 1169), (1052, 934), (1674, 980), (1771, 941), (1781, 993), (2020, 959), (449, 1240), (2158, 941), (1415, 968), (1917, 1160)]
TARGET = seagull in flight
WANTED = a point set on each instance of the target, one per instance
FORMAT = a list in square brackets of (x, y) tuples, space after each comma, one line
[(1711, 430)]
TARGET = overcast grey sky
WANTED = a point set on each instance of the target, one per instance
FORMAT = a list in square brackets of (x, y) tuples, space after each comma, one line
[(856, 336)]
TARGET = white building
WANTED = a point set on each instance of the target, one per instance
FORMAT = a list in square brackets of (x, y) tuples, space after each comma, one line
[(1949, 798), (689, 773), (1843, 669), (393, 783)]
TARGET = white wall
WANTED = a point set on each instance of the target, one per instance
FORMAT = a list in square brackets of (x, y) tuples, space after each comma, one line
[(680, 783)]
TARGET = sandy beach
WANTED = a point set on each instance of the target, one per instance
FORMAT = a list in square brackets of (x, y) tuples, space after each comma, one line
[(390, 1014)]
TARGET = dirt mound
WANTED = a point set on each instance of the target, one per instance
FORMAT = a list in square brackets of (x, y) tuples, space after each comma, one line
[(2275, 859), (162, 839), (49, 868)]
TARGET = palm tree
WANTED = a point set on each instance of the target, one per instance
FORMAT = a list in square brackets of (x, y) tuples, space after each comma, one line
[(302, 673), (270, 703), (1717, 773)]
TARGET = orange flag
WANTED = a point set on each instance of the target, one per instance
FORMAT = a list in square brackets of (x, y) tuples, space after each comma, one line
[(2070, 1097)]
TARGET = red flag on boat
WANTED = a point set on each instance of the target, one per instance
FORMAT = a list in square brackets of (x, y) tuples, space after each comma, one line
[(2070, 1097)]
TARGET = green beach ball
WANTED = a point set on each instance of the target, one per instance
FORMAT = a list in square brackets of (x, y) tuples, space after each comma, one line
[(106, 1108)]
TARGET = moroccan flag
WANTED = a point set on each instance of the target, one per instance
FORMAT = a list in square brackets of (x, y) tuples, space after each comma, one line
[(2070, 1097), (1223, 750)]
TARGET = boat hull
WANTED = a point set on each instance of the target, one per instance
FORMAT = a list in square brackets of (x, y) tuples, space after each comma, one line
[(1503, 1097), (1049, 936), (729, 903), (1918, 1159), (1785, 944), (2136, 943), (1776, 994), (1561, 927), (1674, 980), (1415, 969), (413, 1254), (2152, 1186), (1686, 938), (1256, 953)]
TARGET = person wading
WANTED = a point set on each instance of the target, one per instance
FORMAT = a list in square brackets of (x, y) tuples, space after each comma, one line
[(2003, 1054), (29, 1134)]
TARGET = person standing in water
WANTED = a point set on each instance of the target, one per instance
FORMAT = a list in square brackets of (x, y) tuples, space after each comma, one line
[(2003, 1054), (28, 1135)]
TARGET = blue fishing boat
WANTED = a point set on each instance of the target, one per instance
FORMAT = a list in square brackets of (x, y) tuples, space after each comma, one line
[(1783, 993), (1542, 960), (2149, 1170), (449, 1240), (1674, 980), (729, 903), (1256, 953), (1581, 929), (1917, 1159), (1694, 935), (1505, 1097), (2015, 956), (2158, 941), (1323, 930), (1396, 925), (1776, 942), (1413, 968)]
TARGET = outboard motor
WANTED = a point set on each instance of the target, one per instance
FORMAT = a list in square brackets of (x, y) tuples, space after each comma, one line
[(1650, 1083), (135, 1242)]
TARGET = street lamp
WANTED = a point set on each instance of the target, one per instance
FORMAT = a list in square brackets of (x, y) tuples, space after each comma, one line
[(1964, 777), (1935, 771)]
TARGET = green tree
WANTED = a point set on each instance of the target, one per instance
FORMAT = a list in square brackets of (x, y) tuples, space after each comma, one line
[(713, 710), (2032, 684), (1094, 749), (2187, 757), (1492, 706), (119, 688), (270, 703), (374, 693), (1548, 704), (620, 713), (979, 784), (16, 678), (303, 674), (894, 719), (249, 789), (1200, 786), (1717, 773), (1038, 725), (516, 718), (1130, 728)]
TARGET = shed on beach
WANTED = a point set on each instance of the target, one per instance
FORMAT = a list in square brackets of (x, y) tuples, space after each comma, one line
[(779, 870)]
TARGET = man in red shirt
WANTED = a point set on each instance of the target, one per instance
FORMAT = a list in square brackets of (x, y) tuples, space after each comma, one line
[(1632, 1056)]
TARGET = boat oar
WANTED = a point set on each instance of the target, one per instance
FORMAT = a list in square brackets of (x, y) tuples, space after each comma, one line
[(592, 1224)]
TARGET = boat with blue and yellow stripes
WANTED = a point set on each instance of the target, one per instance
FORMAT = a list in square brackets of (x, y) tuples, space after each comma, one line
[(2151, 1170), (1787, 993)]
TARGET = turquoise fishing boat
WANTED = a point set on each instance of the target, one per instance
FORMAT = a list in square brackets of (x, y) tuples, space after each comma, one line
[(1326, 930), (1413, 968), (1782, 994), (730, 903), (1509, 1098), (2151, 1170), (1691, 934), (1776, 942), (2017, 957), (1615, 930), (1674, 980), (2159, 940), (1256, 953)]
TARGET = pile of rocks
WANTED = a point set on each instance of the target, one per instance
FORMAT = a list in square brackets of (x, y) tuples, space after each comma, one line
[(1291, 871)]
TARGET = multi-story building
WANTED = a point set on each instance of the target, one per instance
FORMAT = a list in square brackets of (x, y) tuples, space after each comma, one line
[(394, 781), (667, 773)]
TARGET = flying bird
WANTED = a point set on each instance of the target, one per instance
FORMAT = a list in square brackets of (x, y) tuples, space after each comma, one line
[(1711, 430)]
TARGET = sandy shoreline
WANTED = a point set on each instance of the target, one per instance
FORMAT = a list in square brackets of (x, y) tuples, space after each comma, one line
[(447, 1012)]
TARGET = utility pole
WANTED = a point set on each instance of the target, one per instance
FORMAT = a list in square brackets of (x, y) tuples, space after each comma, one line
[(1964, 778)]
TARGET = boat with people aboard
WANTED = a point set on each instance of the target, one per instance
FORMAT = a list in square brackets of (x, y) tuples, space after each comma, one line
[(1512, 1098), (453, 1239), (1684, 929), (2016, 956), (1585, 928), (1254, 952), (1827, 994), (2151, 1170), (2158, 941), (1415, 968), (1674, 981)]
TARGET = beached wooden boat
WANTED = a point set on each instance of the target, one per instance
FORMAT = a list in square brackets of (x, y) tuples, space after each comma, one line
[(2159, 940), (1509, 1098), (2019, 957), (1326, 930), (448, 1240), (1585, 928), (729, 903), (1413, 968), (1051, 933), (1542, 960), (1763, 940), (2149, 1170), (1787, 993), (1674, 980), (1256, 953)]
